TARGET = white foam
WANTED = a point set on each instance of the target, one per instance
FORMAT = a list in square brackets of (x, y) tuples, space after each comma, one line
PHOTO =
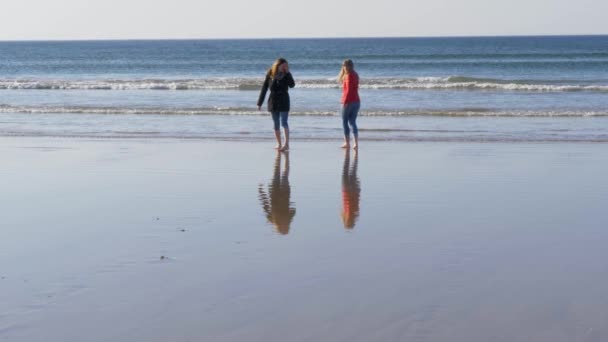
[(420, 83)]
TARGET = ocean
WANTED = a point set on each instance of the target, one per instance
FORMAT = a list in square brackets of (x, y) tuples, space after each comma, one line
[(412, 89)]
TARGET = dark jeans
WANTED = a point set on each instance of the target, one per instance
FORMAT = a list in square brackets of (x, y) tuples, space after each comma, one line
[(283, 116), (349, 117)]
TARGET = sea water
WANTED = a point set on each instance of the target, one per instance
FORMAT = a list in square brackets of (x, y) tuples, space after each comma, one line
[(435, 89)]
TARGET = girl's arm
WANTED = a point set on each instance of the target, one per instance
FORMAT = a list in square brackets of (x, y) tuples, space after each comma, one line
[(346, 84), (290, 82), (263, 92)]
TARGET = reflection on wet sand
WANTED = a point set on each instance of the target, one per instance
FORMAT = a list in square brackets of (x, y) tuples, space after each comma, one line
[(276, 201), (351, 191)]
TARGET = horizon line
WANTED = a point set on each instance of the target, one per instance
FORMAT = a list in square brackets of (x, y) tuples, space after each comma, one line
[(303, 38)]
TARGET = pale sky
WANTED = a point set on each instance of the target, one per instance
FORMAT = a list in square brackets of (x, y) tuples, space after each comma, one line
[(151, 19)]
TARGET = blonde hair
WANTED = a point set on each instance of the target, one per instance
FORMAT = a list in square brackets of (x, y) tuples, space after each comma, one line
[(347, 67), (274, 68)]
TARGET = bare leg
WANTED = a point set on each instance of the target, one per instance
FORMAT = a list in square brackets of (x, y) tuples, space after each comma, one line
[(277, 135), (346, 142), (345, 127), (286, 145), (352, 120)]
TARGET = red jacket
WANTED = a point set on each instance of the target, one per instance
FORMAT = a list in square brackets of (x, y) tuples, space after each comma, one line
[(350, 88)]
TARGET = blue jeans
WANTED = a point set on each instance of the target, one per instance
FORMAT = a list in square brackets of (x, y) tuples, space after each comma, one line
[(283, 116), (349, 117)]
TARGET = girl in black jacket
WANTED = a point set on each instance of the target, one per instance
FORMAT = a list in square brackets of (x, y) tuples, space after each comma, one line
[(278, 80)]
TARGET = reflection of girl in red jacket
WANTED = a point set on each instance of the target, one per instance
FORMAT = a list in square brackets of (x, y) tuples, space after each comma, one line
[(350, 101), (351, 191)]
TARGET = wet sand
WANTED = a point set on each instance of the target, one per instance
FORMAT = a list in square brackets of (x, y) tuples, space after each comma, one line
[(169, 240)]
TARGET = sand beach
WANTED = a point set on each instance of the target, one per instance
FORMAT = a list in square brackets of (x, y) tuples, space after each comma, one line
[(212, 240)]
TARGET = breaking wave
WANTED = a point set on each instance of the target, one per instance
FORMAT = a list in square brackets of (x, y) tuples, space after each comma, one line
[(418, 83)]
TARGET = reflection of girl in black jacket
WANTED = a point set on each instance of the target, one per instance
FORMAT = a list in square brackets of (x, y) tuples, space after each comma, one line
[(278, 80), (276, 202)]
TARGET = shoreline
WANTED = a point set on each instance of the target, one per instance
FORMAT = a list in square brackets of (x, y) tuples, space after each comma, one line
[(140, 138), (507, 130)]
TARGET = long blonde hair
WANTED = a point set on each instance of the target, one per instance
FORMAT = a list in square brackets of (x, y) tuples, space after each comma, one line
[(274, 68), (347, 67)]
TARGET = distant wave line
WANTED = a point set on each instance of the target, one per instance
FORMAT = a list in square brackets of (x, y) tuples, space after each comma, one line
[(325, 60)]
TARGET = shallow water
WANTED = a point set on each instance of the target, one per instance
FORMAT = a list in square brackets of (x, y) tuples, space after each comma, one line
[(305, 128), (162, 240)]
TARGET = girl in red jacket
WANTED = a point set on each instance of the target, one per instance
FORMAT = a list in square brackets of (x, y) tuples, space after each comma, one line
[(350, 102)]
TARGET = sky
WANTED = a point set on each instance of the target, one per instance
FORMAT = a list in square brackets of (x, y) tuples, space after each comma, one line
[(194, 19)]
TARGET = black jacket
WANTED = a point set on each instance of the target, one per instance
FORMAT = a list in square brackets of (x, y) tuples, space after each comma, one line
[(278, 100)]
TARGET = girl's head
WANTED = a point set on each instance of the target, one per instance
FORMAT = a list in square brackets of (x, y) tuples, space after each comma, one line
[(347, 67), (279, 65)]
